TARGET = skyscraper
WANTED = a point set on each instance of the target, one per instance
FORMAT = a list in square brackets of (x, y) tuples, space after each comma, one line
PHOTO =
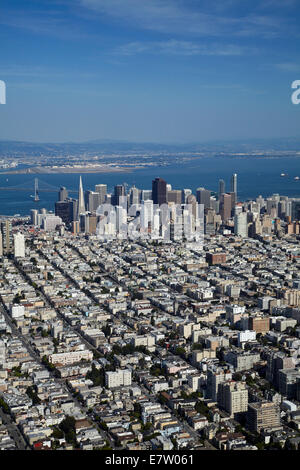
[(233, 184), (185, 194), (225, 206), (174, 196), (6, 229), (159, 191), (34, 216), (63, 194), (92, 200), (240, 225), (102, 190), (203, 197), (119, 195), (134, 196), (81, 206), (221, 188)]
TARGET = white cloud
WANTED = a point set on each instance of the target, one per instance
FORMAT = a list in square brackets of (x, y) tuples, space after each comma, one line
[(176, 47), (186, 17)]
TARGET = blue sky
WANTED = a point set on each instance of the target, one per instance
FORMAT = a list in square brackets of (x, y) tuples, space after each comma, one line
[(149, 70)]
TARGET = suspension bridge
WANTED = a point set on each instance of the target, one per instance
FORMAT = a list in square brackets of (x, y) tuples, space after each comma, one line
[(36, 186)]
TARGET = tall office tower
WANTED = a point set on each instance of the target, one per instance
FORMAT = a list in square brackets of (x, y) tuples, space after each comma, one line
[(174, 196), (233, 184), (62, 194), (272, 206), (159, 191), (214, 204), (91, 224), (260, 201), (288, 208), (73, 209), (146, 194), (1, 244), (118, 196), (203, 197), (6, 230), (92, 199), (81, 206), (233, 202), (263, 415), (146, 215), (282, 208), (225, 206), (233, 398), (241, 225), (34, 216), (19, 245), (185, 194), (209, 222), (64, 210), (169, 187), (134, 196), (101, 189), (221, 188), (191, 201), (295, 209)]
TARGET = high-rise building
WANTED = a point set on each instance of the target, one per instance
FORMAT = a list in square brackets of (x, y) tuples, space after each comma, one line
[(174, 196), (295, 209), (63, 194), (1, 244), (34, 216), (146, 194), (221, 188), (134, 196), (159, 191), (101, 189), (185, 194), (92, 200), (215, 376), (63, 209), (6, 229), (233, 184), (19, 245), (225, 206), (146, 215), (277, 361), (263, 415), (233, 398), (81, 206), (117, 198), (203, 197), (240, 225)]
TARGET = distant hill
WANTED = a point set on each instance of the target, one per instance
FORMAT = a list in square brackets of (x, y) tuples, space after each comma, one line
[(107, 146)]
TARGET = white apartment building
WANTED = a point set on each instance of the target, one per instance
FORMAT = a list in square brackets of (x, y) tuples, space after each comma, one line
[(121, 377), (19, 245)]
